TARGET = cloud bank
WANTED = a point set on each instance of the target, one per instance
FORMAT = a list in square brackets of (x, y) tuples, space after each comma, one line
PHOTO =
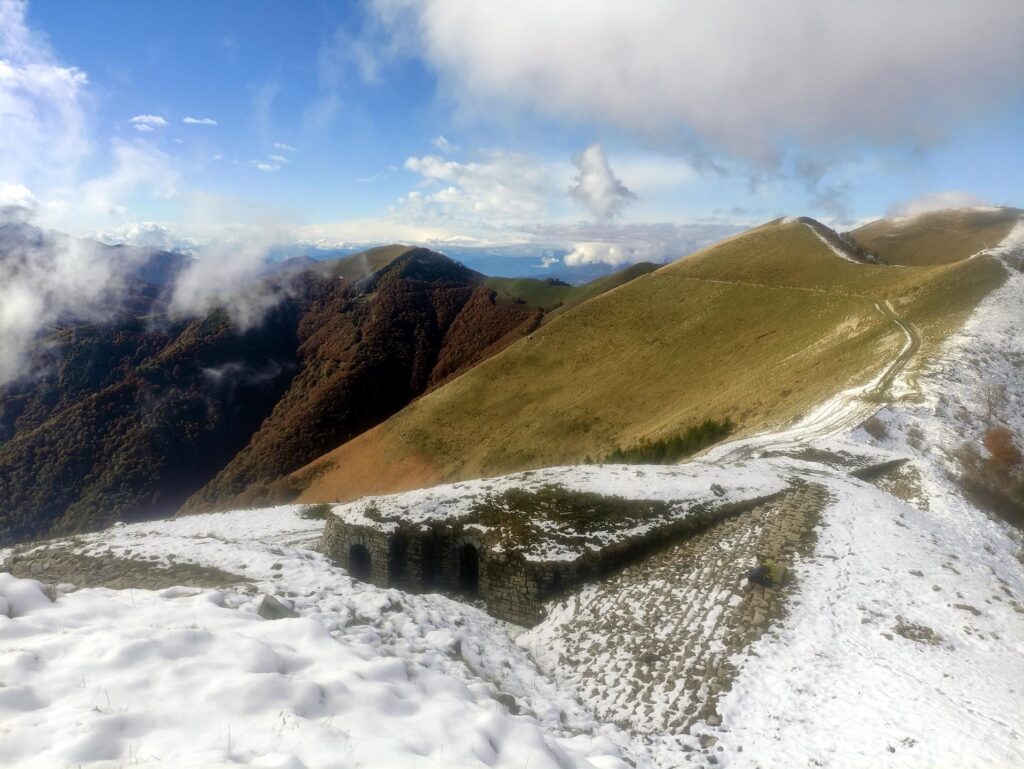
[(497, 189), (17, 204), (46, 277), (618, 245), (936, 201), (748, 79)]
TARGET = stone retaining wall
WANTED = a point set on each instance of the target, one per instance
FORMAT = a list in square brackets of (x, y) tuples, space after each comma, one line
[(441, 557)]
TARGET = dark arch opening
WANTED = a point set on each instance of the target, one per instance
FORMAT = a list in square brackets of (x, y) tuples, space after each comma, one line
[(397, 555), (469, 569), (359, 562)]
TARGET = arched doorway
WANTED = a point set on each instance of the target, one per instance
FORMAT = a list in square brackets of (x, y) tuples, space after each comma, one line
[(359, 562), (469, 569)]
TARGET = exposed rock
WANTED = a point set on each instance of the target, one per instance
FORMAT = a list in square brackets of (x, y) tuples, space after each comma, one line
[(915, 632), (271, 608)]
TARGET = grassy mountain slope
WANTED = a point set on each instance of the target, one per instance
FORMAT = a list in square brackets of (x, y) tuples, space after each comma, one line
[(557, 297), (357, 266), (756, 329), (940, 237)]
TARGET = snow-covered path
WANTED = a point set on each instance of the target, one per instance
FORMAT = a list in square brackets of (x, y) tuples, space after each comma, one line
[(837, 415)]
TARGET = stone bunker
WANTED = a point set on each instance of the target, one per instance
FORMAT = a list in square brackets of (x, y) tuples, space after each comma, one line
[(516, 542)]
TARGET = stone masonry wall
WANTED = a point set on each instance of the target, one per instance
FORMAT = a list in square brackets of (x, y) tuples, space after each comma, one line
[(429, 558)]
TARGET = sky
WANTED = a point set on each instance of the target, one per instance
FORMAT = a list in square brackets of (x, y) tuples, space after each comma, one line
[(575, 133)]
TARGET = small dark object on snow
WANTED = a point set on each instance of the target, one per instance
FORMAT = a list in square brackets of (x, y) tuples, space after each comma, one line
[(760, 576), (765, 575), (271, 608)]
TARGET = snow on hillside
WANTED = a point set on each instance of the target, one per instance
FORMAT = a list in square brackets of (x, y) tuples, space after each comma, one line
[(688, 487), (903, 645), (831, 246)]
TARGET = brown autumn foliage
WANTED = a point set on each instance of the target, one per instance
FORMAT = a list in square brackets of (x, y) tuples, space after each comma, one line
[(1000, 445), (363, 355), (131, 418), (996, 481)]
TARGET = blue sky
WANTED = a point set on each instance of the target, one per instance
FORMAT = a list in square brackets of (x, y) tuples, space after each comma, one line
[(598, 132)]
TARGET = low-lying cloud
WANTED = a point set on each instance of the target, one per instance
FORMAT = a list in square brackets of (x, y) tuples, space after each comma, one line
[(936, 201), (48, 278), (618, 245), (17, 204), (225, 275)]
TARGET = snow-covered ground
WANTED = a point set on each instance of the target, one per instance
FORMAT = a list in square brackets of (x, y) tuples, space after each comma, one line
[(688, 487), (365, 677), (903, 645), (836, 684)]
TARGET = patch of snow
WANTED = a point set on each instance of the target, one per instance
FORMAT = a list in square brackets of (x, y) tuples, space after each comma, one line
[(195, 678), (832, 247), (838, 685)]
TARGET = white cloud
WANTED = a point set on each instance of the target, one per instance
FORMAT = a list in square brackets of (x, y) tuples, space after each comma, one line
[(278, 158), (749, 80), (285, 147), (17, 203), (225, 275), (936, 201), (43, 122), (631, 243), (443, 145), (268, 166), (147, 234), (147, 123), (199, 121), (501, 188), (596, 188), (138, 167)]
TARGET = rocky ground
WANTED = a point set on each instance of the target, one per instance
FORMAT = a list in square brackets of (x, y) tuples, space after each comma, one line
[(651, 648), (57, 564)]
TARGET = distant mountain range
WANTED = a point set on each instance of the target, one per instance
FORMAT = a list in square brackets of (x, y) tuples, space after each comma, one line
[(149, 265)]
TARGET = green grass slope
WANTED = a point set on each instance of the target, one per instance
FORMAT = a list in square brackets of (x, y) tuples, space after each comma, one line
[(556, 297), (358, 266), (756, 329), (940, 237)]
